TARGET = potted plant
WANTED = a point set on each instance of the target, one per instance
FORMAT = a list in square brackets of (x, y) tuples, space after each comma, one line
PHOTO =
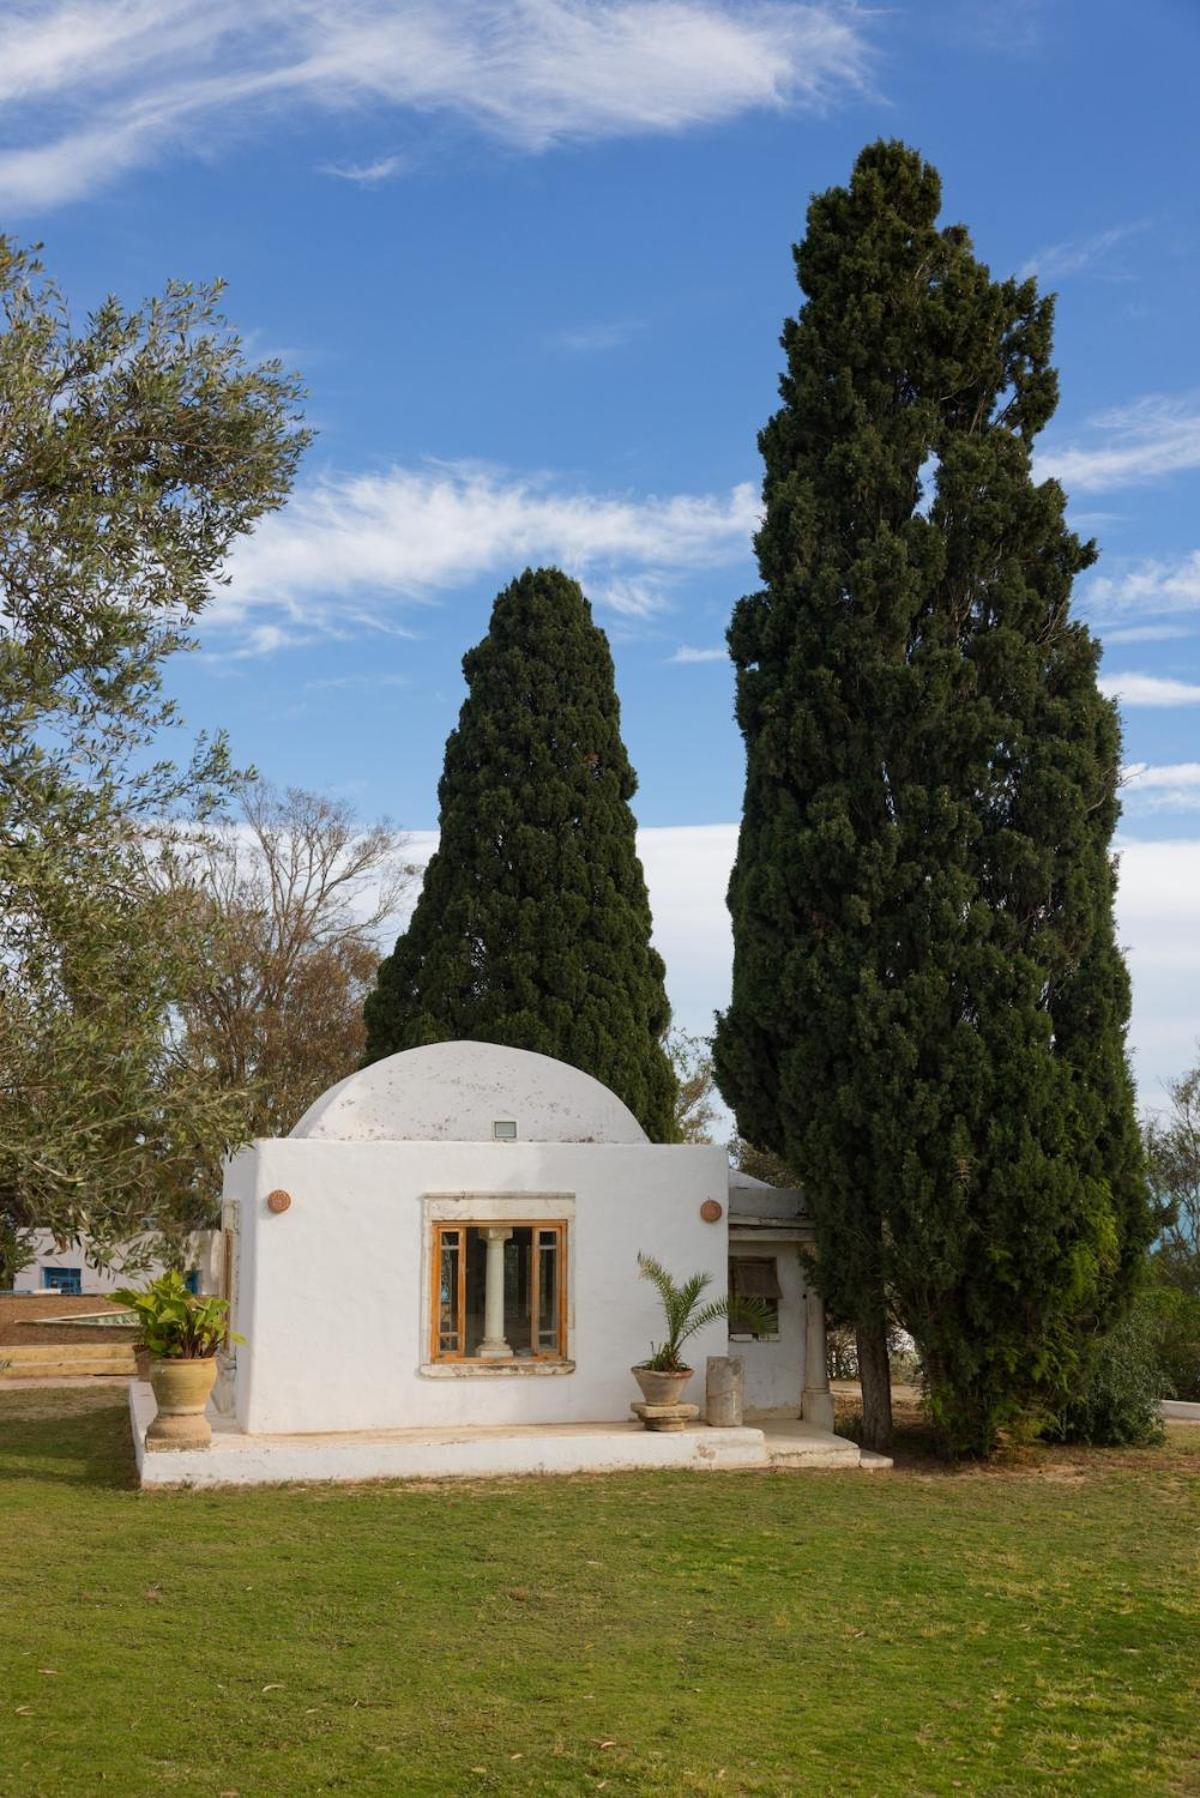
[(664, 1374), (181, 1333)]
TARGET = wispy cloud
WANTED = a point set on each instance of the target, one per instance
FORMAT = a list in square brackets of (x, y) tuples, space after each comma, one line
[(1151, 586), (1144, 633), (367, 174), (96, 87), (686, 656), (1149, 689), (1164, 787), (1056, 262), (1155, 437), (349, 548), (355, 683), (1015, 29), (588, 339)]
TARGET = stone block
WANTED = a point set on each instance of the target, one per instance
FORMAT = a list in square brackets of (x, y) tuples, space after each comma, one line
[(724, 1390)]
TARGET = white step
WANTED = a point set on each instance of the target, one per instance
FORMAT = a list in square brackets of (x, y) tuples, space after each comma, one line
[(790, 1442)]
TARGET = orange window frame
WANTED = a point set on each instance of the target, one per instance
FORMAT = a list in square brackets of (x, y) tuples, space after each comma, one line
[(452, 1227)]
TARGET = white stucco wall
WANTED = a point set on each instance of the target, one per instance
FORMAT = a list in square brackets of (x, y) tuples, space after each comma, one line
[(774, 1371), (333, 1293), (104, 1280)]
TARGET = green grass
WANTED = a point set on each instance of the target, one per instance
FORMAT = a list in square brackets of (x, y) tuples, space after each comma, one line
[(1030, 1629)]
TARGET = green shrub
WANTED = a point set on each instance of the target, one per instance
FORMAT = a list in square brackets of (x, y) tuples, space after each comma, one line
[(1179, 1321), (1117, 1404)]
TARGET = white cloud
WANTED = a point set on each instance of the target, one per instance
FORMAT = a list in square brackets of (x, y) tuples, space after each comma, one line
[(366, 174), (689, 657), (347, 547), (94, 87), (1163, 787), (355, 683), (1158, 915), (588, 339), (1071, 257), (1143, 633), (1158, 925), (1151, 585), (1141, 775), (1149, 689), (1146, 441)]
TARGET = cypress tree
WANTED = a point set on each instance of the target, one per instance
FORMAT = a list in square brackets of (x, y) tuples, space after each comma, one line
[(929, 1008), (533, 924)]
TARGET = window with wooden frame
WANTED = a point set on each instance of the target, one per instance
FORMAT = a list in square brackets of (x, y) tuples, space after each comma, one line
[(530, 1261), (756, 1277)]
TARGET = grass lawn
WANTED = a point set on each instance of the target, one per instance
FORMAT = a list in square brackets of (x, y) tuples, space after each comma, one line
[(1033, 1628)]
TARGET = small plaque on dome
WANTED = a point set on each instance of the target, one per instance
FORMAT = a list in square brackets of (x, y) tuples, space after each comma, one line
[(278, 1200), (711, 1211)]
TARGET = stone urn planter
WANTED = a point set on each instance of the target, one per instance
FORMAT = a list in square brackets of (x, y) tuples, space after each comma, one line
[(181, 1390), (180, 1332), (663, 1378), (660, 1388)]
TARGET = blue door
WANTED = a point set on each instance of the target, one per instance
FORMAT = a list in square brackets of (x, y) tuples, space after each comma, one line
[(192, 1279)]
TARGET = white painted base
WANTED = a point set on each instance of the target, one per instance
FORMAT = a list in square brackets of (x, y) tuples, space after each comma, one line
[(459, 1452), (1181, 1409), (472, 1452)]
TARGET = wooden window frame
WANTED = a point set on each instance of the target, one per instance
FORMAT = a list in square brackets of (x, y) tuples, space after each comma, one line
[(740, 1332), (443, 1227)]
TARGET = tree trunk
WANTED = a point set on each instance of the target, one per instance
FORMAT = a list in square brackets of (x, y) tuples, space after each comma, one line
[(875, 1373)]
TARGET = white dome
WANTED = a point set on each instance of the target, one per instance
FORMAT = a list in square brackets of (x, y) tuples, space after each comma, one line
[(459, 1092)]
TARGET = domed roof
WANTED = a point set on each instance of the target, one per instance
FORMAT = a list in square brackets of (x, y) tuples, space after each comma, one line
[(460, 1092)]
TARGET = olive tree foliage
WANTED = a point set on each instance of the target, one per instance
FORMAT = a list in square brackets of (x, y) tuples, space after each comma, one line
[(135, 448), (696, 1093), (1173, 1157), (290, 900)]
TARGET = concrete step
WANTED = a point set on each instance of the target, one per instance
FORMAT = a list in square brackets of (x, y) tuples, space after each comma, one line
[(790, 1442)]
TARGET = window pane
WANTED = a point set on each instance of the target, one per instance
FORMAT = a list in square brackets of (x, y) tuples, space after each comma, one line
[(548, 1276), (449, 1322)]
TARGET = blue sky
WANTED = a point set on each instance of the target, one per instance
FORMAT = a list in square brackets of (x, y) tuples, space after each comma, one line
[(531, 257)]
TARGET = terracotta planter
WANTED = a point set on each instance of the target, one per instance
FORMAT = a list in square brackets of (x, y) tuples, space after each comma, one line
[(181, 1389), (661, 1388)]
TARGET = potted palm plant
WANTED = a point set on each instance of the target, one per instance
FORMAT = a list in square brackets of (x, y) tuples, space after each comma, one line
[(181, 1333), (664, 1374)]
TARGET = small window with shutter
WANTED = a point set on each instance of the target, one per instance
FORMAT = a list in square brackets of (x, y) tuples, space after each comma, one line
[(756, 1277)]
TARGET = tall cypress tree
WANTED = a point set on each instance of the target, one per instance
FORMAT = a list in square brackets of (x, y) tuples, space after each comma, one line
[(533, 924), (929, 1007)]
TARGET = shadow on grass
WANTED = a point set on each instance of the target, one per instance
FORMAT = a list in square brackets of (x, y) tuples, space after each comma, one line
[(88, 1445)]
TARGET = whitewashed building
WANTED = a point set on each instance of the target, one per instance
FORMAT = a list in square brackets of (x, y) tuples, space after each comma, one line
[(70, 1269), (436, 1272)]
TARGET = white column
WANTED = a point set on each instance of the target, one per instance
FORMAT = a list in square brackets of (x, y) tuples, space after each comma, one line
[(494, 1347), (818, 1400)]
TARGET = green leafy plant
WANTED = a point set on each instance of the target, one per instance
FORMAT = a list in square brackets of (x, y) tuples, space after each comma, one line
[(1116, 1405), (684, 1314), (175, 1324)]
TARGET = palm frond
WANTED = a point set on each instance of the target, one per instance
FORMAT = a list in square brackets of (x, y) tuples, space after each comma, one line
[(679, 1302)]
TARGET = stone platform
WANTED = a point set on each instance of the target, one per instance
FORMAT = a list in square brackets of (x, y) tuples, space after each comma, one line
[(236, 1459)]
